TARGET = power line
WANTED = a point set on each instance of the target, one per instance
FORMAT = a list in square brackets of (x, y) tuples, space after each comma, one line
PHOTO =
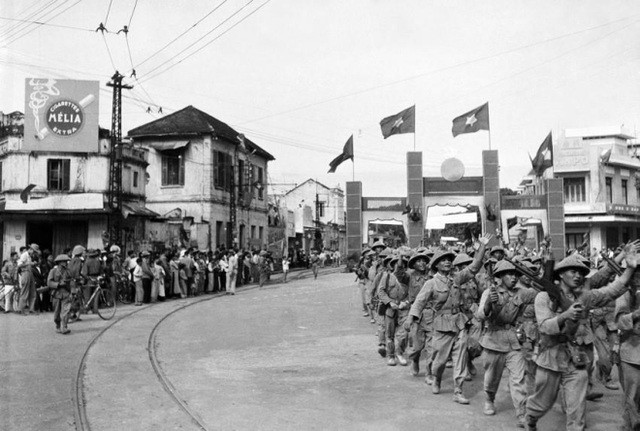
[(434, 71), (180, 35), (59, 13), (31, 15), (106, 18), (46, 24), (211, 41), (132, 12)]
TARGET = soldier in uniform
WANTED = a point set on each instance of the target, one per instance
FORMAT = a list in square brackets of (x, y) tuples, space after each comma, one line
[(393, 294), (449, 323), (606, 342), (59, 280), (362, 270), (420, 331), (527, 331), (501, 308), (379, 270), (627, 315), (471, 296), (566, 338)]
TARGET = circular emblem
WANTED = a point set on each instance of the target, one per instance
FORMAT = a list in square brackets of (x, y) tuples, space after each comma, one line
[(64, 117), (452, 169)]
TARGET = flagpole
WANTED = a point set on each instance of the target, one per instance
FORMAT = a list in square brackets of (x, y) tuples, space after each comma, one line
[(489, 138), (414, 128)]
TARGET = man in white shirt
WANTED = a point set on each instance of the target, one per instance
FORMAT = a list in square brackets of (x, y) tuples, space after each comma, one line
[(27, 282), (232, 273)]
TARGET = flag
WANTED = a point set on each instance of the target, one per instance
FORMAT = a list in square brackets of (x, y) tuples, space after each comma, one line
[(544, 156), (472, 121), (402, 122), (347, 153)]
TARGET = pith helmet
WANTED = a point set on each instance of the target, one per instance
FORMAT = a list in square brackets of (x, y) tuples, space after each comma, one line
[(503, 267), (571, 262), (441, 254), (378, 244), (77, 250), (461, 259), (416, 257), (62, 258)]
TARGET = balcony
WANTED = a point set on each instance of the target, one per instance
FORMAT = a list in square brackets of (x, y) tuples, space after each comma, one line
[(135, 154)]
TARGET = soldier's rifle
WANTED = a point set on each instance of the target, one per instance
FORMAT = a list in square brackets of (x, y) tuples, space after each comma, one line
[(544, 283), (612, 264)]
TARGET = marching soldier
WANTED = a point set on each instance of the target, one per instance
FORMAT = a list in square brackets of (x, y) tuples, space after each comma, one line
[(449, 323), (566, 338), (379, 271), (420, 331), (393, 295), (627, 315), (501, 308), (59, 280)]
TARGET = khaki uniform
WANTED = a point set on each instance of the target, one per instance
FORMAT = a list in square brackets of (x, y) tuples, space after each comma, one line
[(58, 281), (560, 349), (606, 339), (442, 293), (501, 345), (392, 291), (629, 357), (421, 332), (528, 337)]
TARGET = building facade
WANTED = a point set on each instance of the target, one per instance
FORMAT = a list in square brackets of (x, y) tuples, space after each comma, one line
[(319, 214), (206, 180), (58, 199), (601, 176)]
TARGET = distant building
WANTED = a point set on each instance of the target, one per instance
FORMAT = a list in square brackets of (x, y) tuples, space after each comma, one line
[(318, 209), (601, 174), (206, 180)]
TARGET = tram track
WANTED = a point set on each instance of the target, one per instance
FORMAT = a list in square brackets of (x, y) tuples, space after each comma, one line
[(82, 422)]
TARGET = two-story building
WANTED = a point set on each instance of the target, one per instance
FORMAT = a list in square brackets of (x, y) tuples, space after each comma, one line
[(207, 181), (59, 199), (317, 209), (601, 176)]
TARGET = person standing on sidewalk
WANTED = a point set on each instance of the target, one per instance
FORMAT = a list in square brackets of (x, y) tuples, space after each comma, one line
[(58, 280), (10, 280), (449, 322), (285, 268), (27, 282), (566, 341), (501, 309)]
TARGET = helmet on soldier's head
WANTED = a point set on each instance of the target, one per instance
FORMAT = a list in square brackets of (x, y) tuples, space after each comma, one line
[(503, 267), (77, 250), (62, 258)]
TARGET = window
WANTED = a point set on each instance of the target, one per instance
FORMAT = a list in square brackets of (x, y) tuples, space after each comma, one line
[(135, 179), (253, 232), (241, 181), (261, 233), (260, 183), (173, 168), (574, 240), (320, 209), (222, 170), (58, 174), (625, 195), (574, 190), (609, 190), (219, 233)]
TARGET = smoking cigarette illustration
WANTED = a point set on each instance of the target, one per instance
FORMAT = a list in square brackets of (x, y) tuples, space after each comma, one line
[(86, 101)]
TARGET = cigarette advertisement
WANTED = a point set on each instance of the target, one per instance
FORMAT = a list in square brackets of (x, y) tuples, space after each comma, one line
[(61, 115)]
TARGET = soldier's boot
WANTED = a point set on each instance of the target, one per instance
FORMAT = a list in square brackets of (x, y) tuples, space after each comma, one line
[(531, 423), (65, 330), (459, 398), (57, 328), (415, 367), (435, 386), (489, 408), (391, 361), (401, 360), (382, 350)]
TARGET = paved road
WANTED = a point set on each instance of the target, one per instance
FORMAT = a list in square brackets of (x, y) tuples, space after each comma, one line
[(294, 356)]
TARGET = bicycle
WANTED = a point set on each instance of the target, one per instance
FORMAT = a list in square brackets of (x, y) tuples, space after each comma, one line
[(124, 289), (102, 300)]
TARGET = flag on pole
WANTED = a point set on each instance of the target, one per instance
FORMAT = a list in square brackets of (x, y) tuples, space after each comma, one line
[(544, 156), (402, 122), (472, 121), (347, 153)]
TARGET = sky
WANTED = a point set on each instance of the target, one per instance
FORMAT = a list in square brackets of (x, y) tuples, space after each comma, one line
[(298, 77)]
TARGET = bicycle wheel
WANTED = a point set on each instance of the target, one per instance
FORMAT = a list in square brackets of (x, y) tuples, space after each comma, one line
[(105, 304)]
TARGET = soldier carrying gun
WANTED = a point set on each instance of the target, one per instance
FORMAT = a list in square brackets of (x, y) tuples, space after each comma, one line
[(60, 283)]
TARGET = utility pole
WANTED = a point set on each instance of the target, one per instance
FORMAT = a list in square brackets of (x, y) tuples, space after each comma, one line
[(318, 234), (114, 221)]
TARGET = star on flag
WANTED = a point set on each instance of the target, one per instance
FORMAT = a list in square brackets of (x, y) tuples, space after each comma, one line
[(402, 122)]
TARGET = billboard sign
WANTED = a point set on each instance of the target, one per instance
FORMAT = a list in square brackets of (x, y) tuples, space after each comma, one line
[(61, 115)]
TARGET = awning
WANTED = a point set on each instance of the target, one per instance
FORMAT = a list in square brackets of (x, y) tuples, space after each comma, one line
[(168, 145), (393, 222), (622, 160), (130, 208), (64, 203)]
